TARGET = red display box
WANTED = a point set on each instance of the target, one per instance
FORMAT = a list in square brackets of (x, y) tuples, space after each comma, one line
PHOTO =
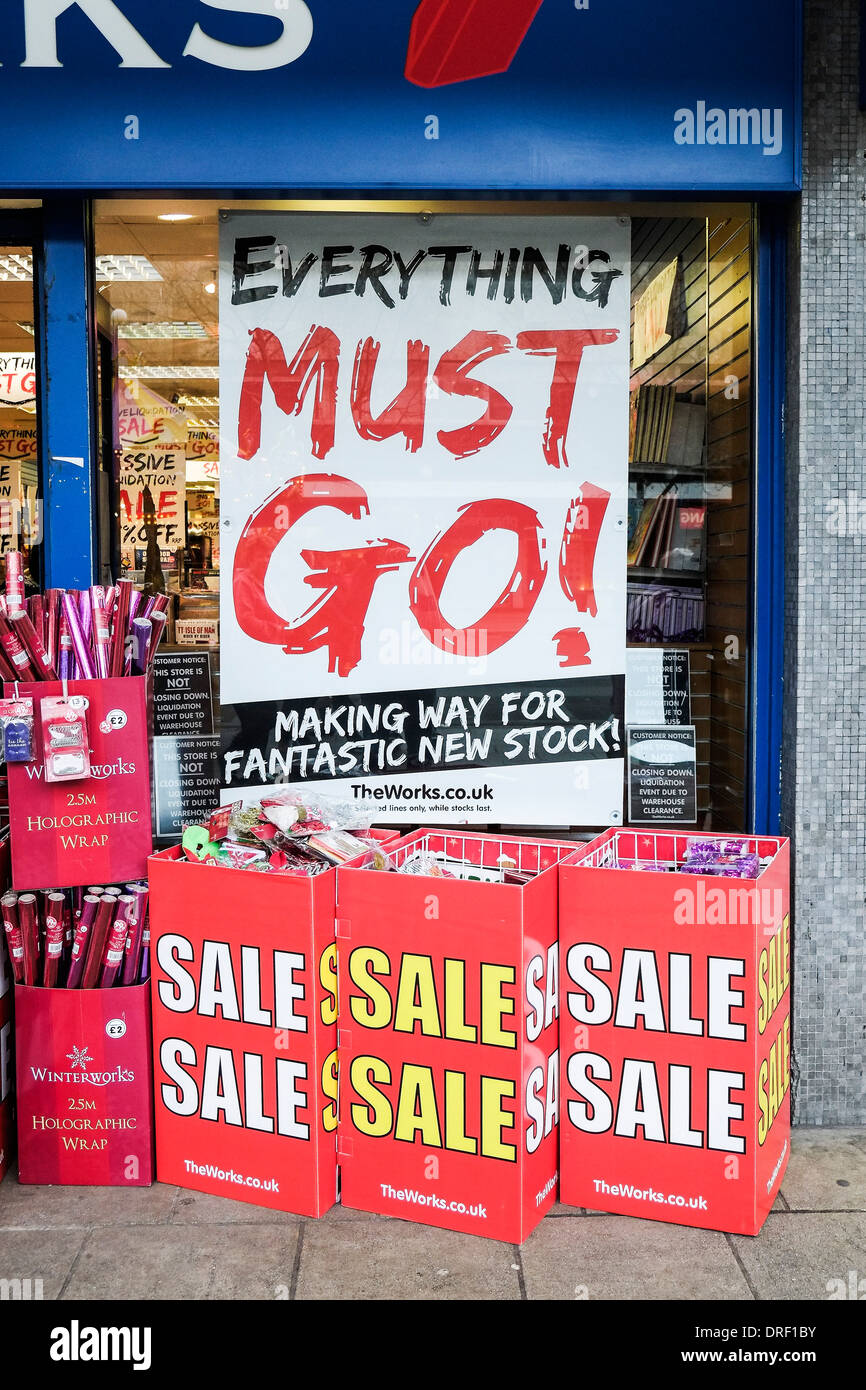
[(85, 1102), (244, 985), (98, 829), (7, 1038), (448, 1036), (675, 1033)]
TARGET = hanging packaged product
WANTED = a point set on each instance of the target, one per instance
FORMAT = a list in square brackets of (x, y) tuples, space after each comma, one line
[(65, 742), (16, 721)]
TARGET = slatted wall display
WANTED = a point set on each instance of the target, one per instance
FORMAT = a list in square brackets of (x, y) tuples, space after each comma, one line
[(682, 364), (729, 473), (704, 365)]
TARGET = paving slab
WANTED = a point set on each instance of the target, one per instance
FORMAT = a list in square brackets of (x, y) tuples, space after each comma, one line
[(37, 1254), (185, 1262), (206, 1209), (25, 1205), (560, 1209), (826, 1170), (367, 1260), (623, 1257), (341, 1213), (800, 1255)]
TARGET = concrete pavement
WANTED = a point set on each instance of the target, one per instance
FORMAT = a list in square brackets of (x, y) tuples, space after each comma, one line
[(170, 1243)]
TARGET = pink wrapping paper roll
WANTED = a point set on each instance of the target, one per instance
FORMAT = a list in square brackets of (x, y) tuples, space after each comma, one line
[(100, 630), (80, 647), (15, 580)]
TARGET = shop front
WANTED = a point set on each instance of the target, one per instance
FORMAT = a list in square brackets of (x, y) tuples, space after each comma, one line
[(598, 546), (431, 364)]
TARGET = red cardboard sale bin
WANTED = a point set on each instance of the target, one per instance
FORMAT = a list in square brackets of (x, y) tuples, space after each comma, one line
[(675, 1033), (449, 1033), (244, 982), (98, 829), (85, 1099)]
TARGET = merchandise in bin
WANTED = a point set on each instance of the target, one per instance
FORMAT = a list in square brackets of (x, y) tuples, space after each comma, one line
[(676, 1016), (449, 1028), (727, 856), (471, 857)]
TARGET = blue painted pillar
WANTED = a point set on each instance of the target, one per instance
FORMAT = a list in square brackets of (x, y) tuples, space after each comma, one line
[(67, 391), (770, 558)]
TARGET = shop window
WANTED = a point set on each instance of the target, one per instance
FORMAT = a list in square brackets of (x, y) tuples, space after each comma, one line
[(690, 451), (20, 507), (690, 467)]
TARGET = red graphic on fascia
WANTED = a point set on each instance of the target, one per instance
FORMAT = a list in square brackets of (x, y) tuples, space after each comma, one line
[(458, 40)]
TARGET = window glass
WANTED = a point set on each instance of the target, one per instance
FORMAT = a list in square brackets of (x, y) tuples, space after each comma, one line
[(20, 513), (690, 466)]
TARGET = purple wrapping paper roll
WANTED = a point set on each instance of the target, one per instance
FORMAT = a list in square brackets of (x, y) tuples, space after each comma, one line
[(80, 647), (141, 634)]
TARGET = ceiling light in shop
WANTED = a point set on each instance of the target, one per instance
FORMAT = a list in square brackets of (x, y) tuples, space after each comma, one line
[(169, 373), (108, 268), (174, 329), (176, 217), (129, 268), (197, 401), (210, 287), (14, 267)]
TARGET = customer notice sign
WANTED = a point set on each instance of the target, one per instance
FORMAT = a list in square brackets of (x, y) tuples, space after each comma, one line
[(662, 775)]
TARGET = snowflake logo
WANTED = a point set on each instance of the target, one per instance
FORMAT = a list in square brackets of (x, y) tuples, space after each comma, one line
[(79, 1057)]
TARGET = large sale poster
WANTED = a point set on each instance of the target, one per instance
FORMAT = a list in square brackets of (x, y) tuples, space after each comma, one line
[(424, 441), (153, 441)]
